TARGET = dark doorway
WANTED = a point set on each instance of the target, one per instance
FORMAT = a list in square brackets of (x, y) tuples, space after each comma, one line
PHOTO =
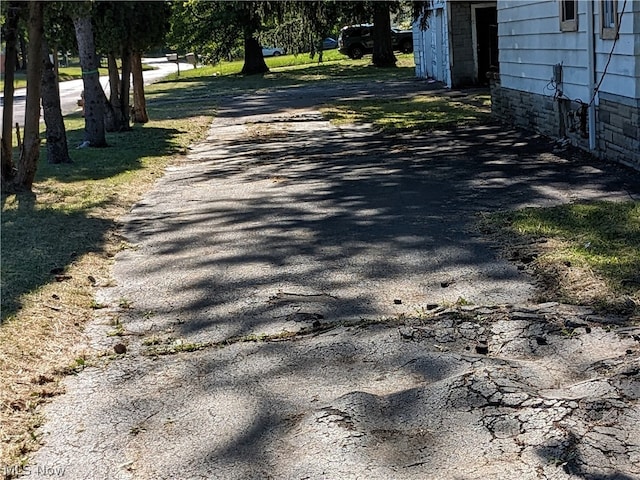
[(487, 42)]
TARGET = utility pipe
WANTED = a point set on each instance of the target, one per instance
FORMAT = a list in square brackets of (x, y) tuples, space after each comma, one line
[(591, 72)]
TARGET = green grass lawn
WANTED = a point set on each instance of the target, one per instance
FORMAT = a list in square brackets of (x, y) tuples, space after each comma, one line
[(603, 235), (285, 71), (65, 74), (419, 112), (589, 241)]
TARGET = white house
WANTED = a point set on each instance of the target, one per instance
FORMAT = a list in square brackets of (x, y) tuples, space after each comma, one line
[(459, 45), (571, 69), (565, 68)]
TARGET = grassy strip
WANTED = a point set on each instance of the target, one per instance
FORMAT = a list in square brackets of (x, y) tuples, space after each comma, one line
[(75, 73), (57, 247), (285, 71), (64, 74), (590, 253), (274, 63), (19, 81), (422, 112), (170, 346)]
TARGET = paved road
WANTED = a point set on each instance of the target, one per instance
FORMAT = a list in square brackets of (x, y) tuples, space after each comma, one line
[(70, 91), (281, 320)]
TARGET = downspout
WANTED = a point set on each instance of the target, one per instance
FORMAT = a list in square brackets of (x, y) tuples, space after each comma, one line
[(591, 72), (450, 54)]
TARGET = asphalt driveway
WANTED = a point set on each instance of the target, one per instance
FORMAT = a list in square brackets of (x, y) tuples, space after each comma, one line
[(287, 309)]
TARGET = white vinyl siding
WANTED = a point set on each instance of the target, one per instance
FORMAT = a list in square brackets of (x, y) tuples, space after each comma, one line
[(531, 43), (623, 74)]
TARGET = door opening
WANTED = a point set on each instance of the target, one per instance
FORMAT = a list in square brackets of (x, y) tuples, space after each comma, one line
[(486, 42)]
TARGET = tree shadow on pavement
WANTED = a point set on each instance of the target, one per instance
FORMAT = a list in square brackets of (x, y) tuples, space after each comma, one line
[(278, 215), (283, 206)]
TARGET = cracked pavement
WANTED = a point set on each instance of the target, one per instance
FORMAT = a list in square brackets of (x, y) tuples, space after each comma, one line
[(289, 311)]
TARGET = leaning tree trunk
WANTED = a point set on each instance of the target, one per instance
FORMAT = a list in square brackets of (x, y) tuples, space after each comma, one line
[(112, 115), (139, 102), (93, 94), (382, 43), (114, 79), (30, 152), (24, 53), (10, 38), (125, 86), (254, 63), (115, 118), (57, 148)]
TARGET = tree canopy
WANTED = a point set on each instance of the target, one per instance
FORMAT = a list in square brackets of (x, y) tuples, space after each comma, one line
[(220, 29)]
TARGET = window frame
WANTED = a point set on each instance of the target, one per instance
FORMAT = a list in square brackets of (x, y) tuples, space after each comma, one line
[(608, 32), (568, 25)]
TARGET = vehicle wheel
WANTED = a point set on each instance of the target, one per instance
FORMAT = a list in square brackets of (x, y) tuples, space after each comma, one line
[(356, 52), (276, 54), (407, 47)]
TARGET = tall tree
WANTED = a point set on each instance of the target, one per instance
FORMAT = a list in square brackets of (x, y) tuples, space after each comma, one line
[(116, 111), (58, 32), (93, 94), (383, 55), (9, 32), (251, 19), (140, 114), (126, 30), (114, 30), (214, 28), (150, 26), (22, 57), (30, 152), (380, 13), (301, 26), (57, 147)]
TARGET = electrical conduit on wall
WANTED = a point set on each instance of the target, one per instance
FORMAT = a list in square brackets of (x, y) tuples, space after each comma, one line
[(591, 72)]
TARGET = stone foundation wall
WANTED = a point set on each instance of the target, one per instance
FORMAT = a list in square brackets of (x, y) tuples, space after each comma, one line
[(619, 129), (525, 110), (617, 124)]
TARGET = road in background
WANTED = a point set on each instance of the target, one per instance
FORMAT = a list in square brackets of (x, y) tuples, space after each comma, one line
[(71, 90)]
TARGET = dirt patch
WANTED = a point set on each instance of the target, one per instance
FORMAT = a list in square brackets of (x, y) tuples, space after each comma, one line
[(559, 280)]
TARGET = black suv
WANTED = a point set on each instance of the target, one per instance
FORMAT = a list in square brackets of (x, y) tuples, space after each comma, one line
[(356, 40)]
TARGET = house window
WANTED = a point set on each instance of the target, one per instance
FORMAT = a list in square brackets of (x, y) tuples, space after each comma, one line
[(569, 15), (609, 19)]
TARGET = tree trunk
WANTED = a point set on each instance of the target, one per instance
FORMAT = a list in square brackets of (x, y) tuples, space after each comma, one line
[(383, 56), (114, 79), (93, 94), (112, 115), (56, 66), (254, 63), (139, 101), (23, 53), (31, 144), (111, 123), (10, 37), (125, 86), (57, 149)]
